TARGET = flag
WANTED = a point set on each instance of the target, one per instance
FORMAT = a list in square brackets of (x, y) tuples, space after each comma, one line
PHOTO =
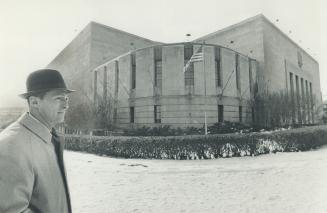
[(197, 56)]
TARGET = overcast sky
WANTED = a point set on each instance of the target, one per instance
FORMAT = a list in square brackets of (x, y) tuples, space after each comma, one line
[(33, 32)]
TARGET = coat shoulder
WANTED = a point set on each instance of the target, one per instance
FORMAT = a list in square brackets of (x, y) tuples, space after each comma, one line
[(15, 138)]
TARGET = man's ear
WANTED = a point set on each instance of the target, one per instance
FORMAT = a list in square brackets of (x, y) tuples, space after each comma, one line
[(34, 101)]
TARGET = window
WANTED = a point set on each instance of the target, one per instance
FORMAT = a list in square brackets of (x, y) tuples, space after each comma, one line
[(292, 97), (157, 113), (157, 67), (115, 115), (133, 71), (310, 90), (158, 74), (307, 99), (250, 75), (95, 84), (240, 113), (237, 69), (131, 114), (189, 73), (297, 86), (105, 82), (218, 67), (220, 113), (303, 95), (311, 102), (116, 78), (299, 59)]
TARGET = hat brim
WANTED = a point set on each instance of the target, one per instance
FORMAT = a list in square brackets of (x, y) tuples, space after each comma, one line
[(31, 93)]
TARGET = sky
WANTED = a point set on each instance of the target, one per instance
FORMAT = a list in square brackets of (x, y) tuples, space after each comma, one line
[(33, 32)]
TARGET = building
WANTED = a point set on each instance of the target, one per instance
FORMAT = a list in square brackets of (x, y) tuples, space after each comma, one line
[(150, 87), (146, 83), (95, 44)]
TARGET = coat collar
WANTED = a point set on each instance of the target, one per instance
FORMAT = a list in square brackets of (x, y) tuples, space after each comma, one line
[(35, 126)]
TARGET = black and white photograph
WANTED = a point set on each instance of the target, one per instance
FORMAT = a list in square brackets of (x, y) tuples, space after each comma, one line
[(162, 106)]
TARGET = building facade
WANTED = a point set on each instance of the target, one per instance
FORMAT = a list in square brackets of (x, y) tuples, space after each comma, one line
[(282, 64), (95, 44), (146, 84), (150, 87)]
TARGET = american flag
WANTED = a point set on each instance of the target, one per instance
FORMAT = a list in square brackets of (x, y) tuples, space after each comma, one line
[(197, 56)]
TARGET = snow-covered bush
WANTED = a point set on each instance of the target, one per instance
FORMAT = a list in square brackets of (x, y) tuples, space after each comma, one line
[(200, 146)]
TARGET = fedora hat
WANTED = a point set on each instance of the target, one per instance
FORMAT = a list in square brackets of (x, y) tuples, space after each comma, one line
[(44, 80)]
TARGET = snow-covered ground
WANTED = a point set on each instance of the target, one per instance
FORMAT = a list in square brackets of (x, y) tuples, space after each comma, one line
[(282, 182)]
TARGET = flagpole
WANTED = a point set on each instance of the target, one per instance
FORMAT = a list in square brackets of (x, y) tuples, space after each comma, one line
[(205, 96), (200, 57)]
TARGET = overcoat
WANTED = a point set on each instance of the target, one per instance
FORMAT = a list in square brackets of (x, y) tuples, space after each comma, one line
[(30, 176)]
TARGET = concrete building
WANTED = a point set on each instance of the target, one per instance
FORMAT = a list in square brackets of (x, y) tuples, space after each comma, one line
[(149, 86), (145, 79), (95, 44), (282, 64)]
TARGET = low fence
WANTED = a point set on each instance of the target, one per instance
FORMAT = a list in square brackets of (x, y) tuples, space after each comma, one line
[(91, 132), (200, 146)]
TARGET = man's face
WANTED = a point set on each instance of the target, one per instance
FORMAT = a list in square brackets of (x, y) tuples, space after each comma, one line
[(53, 106)]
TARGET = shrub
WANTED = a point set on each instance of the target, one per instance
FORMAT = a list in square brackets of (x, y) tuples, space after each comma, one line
[(166, 130), (200, 146)]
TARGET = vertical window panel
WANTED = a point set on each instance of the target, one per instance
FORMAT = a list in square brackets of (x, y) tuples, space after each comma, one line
[(132, 114), (157, 113), (133, 86), (105, 83), (220, 113), (116, 78), (95, 85), (240, 113), (218, 67), (237, 69)]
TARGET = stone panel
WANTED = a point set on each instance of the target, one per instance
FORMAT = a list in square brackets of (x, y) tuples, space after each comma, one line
[(228, 72), (144, 73), (172, 70)]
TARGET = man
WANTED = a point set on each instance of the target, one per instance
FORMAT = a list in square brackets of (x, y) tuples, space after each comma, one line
[(32, 172)]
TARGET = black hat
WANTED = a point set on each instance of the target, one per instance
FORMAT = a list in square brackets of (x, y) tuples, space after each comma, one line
[(44, 80)]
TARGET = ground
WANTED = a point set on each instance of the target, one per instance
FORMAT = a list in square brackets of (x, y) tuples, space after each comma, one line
[(282, 182)]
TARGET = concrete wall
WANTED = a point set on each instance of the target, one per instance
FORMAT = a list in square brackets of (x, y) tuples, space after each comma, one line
[(228, 73), (278, 49), (281, 59), (96, 43), (205, 76), (179, 107), (144, 73), (108, 43), (246, 38), (258, 38), (276, 55), (172, 70)]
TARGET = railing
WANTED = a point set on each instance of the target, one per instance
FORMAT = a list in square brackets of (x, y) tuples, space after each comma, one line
[(95, 132)]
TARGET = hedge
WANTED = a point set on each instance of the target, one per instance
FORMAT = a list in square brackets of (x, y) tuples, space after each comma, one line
[(200, 146)]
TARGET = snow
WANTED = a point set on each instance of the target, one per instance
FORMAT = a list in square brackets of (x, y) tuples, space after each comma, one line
[(282, 182)]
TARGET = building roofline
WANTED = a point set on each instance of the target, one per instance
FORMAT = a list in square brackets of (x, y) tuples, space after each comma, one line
[(230, 27), (168, 44), (69, 43), (121, 31), (89, 25), (251, 19), (287, 37)]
